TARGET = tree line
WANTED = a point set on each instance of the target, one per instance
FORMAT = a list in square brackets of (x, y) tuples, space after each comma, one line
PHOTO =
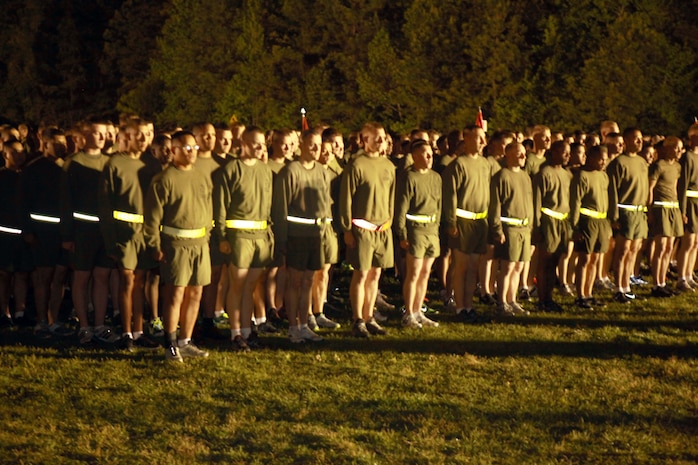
[(406, 63)]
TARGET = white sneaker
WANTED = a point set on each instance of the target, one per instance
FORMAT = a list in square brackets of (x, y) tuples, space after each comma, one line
[(312, 322), (172, 355), (190, 350), (324, 322), (426, 322), (308, 334), (409, 321), (294, 335)]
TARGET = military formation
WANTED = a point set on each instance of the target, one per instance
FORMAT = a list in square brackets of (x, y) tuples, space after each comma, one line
[(172, 235)]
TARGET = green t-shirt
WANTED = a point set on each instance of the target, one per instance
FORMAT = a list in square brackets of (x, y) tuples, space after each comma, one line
[(417, 194), (689, 176), (511, 195), (551, 190), (589, 190), (466, 186), (628, 183), (367, 191), (667, 177)]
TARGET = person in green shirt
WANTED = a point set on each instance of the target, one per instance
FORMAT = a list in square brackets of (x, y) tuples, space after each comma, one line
[(510, 216), (551, 210), (242, 212), (688, 201), (417, 215), (121, 222), (664, 212), (177, 221), (588, 217), (366, 213), (80, 184)]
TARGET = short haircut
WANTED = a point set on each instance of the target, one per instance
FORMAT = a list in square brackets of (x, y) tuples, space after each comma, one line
[(160, 139), (180, 135), (596, 151), (629, 132), (330, 134)]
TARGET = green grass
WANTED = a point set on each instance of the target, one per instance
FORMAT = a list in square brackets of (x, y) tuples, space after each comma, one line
[(618, 386)]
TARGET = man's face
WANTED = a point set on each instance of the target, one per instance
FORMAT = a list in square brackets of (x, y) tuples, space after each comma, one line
[(14, 154), (633, 143), (95, 135), (224, 140), (136, 138), (57, 147), (326, 153), (598, 162), (542, 140), (163, 152), (338, 146), (184, 151), (375, 141), (206, 137), (254, 146), (516, 156), (615, 145), (283, 147), (311, 147), (561, 155), (423, 157), (110, 136), (475, 141)]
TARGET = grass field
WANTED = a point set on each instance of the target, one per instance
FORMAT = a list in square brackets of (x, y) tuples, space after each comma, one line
[(617, 386)]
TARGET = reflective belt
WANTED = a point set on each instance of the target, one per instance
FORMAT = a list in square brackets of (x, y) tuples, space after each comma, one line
[(592, 213), (128, 217), (633, 208), (363, 224), (692, 194), (86, 217), (554, 214), (245, 224), (183, 233), (310, 221), (7, 229), (44, 218), (514, 221), (659, 203), (460, 213), (421, 218)]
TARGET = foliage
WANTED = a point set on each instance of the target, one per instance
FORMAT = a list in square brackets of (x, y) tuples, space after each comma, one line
[(408, 63)]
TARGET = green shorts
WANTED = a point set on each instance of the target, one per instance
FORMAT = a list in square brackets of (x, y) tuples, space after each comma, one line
[(186, 265), (517, 247), (330, 246), (133, 254), (555, 234), (691, 226), (633, 225), (252, 252), (472, 236), (47, 251), (373, 250), (423, 244), (15, 254), (218, 258), (90, 251), (596, 235), (666, 222), (304, 253)]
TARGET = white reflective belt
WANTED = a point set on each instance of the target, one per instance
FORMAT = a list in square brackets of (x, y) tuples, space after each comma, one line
[(592, 213), (554, 214), (634, 208), (421, 218), (692, 194), (364, 224), (298, 219), (468, 215), (514, 221), (86, 217), (44, 218), (245, 224), (659, 203), (9, 230), (183, 233)]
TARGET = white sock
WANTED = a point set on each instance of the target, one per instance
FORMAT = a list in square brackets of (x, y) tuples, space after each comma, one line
[(218, 313), (235, 332), (246, 332), (137, 334), (183, 342), (260, 320), (130, 335)]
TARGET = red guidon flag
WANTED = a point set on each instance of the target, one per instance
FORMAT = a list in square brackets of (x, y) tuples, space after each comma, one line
[(304, 121), (480, 121)]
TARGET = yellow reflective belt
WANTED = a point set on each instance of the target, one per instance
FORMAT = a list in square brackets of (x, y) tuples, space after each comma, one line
[(309, 221), (183, 233), (364, 224), (7, 229), (514, 221), (633, 208), (592, 213), (421, 218), (128, 217), (659, 203), (44, 218), (554, 214), (86, 217), (692, 194), (460, 213), (245, 224)]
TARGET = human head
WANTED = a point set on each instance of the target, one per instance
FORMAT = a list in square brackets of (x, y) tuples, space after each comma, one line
[(559, 153), (55, 144), (596, 158), (334, 137), (515, 155), (374, 139), (422, 154), (614, 143), (325, 153), (541, 138), (633, 140), (14, 154), (578, 155), (282, 144), (672, 148), (94, 133), (311, 145), (135, 135), (184, 150), (110, 136), (162, 148), (254, 145), (475, 141), (205, 135), (224, 139), (607, 127)]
